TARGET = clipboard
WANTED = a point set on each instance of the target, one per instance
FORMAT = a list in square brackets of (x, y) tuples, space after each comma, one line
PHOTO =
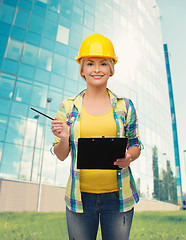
[(101, 152)]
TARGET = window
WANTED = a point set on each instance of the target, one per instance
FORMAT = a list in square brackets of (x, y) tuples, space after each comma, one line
[(10, 66), (61, 48), (6, 106), (22, 18), (75, 39), (71, 86), (26, 71), (53, 16), (25, 5), (6, 13), (7, 83), (56, 95), (39, 9), (42, 76), (72, 69), (62, 34), (39, 95), (89, 20), (3, 126), (47, 43), (4, 28), (36, 24), (30, 54), (14, 50), (3, 41), (33, 38), (10, 161), (18, 33), (15, 131), (59, 64), (19, 110), (57, 81), (23, 90), (45, 59), (50, 29), (26, 161)]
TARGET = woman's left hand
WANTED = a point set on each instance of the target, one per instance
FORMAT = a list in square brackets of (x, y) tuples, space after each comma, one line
[(124, 162)]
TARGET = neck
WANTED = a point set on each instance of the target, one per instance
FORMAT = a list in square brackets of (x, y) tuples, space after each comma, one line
[(96, 93)]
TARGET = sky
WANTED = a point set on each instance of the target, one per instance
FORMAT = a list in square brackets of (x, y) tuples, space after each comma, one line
[(173, 23)]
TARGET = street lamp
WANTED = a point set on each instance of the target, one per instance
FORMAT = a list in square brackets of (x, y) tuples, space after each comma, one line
[(49, 100), (33, 156)]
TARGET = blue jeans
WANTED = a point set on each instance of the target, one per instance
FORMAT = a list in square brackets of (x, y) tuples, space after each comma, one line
[(103, 207)]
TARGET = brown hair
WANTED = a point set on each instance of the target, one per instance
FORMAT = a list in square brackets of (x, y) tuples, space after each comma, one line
[(109, 61)]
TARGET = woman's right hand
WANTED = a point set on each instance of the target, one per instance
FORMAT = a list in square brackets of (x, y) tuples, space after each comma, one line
[(60, 128)]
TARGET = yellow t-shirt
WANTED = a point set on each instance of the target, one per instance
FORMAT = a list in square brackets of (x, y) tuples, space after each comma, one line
[(97, 181)]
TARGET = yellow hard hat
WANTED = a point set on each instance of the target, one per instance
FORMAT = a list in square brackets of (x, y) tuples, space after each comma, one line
[(96, 45)]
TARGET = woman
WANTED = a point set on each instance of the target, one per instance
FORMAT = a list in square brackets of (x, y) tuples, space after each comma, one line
[(107, 196)]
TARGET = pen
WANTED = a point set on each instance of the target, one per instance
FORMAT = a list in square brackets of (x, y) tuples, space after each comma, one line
[(41, 113)]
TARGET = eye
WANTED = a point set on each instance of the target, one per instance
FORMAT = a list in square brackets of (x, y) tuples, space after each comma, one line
[(89, 63), (104, 64)]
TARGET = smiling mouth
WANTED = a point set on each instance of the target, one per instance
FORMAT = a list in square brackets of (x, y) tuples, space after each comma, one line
[(97, 76)]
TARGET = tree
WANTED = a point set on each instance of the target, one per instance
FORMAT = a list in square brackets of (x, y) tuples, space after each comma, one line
[(155, 172)]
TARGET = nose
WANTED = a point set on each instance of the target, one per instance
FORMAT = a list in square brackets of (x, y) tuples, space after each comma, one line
[(97, 69)]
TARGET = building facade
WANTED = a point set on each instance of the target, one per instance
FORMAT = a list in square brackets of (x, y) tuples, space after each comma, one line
[(39, 41)]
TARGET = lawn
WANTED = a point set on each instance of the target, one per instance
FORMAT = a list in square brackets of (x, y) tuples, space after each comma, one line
[(52, 226)]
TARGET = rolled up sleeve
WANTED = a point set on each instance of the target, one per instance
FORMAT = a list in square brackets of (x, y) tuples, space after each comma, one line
[(131, 129)]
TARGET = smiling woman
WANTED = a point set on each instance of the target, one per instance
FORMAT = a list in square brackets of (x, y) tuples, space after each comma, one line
[(93, 194)]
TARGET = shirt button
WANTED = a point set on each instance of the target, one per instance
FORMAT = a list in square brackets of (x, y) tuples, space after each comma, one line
[(119, 173), (120, 188)]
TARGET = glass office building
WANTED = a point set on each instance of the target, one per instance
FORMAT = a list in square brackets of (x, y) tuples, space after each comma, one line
[(38, 43)]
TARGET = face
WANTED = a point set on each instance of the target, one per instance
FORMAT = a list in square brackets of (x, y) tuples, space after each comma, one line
[(96, 70)]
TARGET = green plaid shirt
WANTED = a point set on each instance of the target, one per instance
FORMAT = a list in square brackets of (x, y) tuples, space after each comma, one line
[(126, 122)]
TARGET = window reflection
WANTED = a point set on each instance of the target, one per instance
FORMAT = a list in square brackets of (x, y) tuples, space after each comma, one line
[(7, 83), (25, 5), (26, 162), (50, 29), (3, 40), (23, 90), (36, 24), (3, 126), (22, 18), (71, 85), (26, 71), (39, 10), (33, 38), (6, 106), (89, 20), (53, 16), (39, 95), (19, 110), (59, 64), (48, 168), (42, 76), (10, 161), (56, 95), (6, 13), (62, 34), (57, 81), (15, 131), (45, 59), (10, 66), (18, 33), (30, 53), (72, 69), (47, 43)]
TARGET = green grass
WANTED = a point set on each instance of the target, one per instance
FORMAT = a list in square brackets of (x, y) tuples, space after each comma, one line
[(52, 226)]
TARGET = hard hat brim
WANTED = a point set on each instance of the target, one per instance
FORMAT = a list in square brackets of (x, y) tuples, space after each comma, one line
[(78, 59)]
